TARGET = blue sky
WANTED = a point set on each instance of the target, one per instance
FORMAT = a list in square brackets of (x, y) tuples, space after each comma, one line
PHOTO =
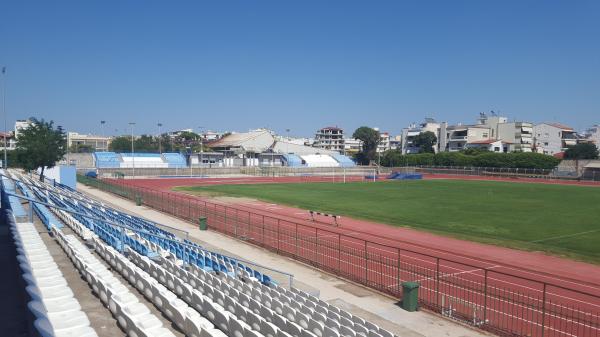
[(236, 65)]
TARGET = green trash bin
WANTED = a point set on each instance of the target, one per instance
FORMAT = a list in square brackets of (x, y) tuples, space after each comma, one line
[(202, 223), (410, 296), (138, 200)]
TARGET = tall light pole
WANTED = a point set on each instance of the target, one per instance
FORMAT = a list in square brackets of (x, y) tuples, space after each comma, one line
[(102, 134), (289, 140), (159, 137), (132, 155), (201, 150), (4, 163)]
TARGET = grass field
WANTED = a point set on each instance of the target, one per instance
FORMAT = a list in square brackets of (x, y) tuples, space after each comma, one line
[(564, 220)]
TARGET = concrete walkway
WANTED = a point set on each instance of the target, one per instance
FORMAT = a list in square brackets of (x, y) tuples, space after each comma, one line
[(356, 299)]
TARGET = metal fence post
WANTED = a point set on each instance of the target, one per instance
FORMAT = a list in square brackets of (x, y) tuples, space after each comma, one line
[(437, 281), (366, 264), (399, 274), (339, 253), (544, 310), (278, 225), (485, 281)]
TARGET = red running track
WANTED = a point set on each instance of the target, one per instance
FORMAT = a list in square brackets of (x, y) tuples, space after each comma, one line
[(506, 291)]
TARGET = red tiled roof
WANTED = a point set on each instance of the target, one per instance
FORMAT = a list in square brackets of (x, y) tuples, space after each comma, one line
[(559, 155), (561, 126)]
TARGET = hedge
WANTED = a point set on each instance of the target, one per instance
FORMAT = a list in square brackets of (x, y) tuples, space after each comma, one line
[(478, 159)]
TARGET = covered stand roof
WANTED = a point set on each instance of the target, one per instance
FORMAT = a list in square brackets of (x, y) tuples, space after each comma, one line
[(253, 141)]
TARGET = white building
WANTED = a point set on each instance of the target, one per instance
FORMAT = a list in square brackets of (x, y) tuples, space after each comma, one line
[(491, 145), (553, 138), (384, 142), (458, 136), (408, 134), (330, 138), (593, 135), (520, 134), (21, 125), (98, 143), (11, 143), (352, 146)]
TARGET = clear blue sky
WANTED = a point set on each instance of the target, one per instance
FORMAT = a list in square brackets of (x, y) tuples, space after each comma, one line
[(236, 65)]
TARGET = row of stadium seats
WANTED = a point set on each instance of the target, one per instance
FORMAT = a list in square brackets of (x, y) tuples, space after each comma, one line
[(203, 293), (155, 238), (132, 316), (125, 160), (56, 311)]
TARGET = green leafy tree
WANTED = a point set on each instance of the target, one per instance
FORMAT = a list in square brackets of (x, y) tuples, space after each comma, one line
[(81, 148), (370, 139), (582, 151), (40, 145), (425, 141), (120, 144)]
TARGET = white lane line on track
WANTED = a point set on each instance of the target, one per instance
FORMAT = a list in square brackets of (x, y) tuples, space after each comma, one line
[(565, 236)]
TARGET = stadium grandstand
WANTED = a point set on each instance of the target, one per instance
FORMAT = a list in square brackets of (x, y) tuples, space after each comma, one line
[(153, 282), (243, 153)]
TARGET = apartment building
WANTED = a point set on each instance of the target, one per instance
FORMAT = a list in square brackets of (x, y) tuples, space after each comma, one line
[(408, 134), (97, 143), (553, 138), (458, 136), (21, 124), (519, 134), (592, 135), (352, 146), (330, 138), (384, 141)]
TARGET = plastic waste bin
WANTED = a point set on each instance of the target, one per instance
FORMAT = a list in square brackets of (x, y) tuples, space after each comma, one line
[(410, 296), (202, 225)]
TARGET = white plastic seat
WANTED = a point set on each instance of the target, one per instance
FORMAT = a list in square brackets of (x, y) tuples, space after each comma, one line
[(237, 328), (59, 292), (316, 327), (46, 329), (176, 311), (329, 332)]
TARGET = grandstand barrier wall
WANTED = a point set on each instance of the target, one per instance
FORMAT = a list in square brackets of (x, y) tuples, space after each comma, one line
[(500, 302), (275, 171)]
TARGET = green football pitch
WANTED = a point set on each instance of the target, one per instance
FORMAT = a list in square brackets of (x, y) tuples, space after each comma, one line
[(563, 220)]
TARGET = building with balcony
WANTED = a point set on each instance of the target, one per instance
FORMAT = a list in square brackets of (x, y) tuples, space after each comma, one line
[(408, 134), (458, 136), (384, 141), (491, 145), (553, 138), (352, 146), (11, 143), (519, 134), (330, 138), (95, 143), (20, 125)]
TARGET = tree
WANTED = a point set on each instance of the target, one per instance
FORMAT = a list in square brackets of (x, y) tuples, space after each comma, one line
[(582, 151), (425, 141), (120, 144), (40, 145), (81, 148), (370, 139)]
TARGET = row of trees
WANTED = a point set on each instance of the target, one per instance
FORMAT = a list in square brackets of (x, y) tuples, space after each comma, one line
[(185, 141), (471, 159), (370, 139)]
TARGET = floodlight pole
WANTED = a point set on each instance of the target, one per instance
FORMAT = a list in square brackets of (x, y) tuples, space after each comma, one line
[(103, 133), (4, 163), (159, 136), (132, 155)]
